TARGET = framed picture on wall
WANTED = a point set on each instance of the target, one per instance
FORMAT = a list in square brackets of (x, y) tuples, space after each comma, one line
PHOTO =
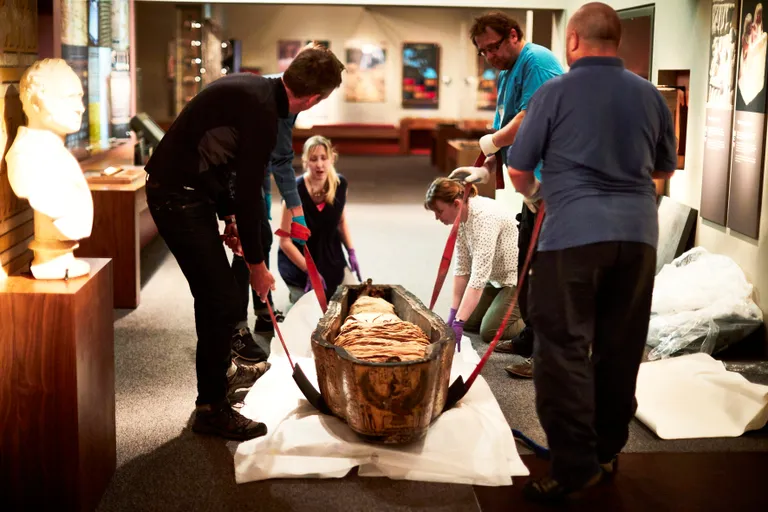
[(365, 81), (421, 75), (322, 42), (636, 48), (286, 51), (486, 85)]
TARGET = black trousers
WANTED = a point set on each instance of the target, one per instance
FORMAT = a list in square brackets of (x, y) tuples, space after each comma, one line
[(188, 224), (595, 296), (526, 220), (243, 275)]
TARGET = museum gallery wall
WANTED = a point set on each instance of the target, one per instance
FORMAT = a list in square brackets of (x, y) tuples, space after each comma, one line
[(18, 50), (95, 42), (735, 141)]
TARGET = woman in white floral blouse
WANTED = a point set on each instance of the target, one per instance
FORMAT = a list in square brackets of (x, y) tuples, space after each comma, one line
[(485, 270)]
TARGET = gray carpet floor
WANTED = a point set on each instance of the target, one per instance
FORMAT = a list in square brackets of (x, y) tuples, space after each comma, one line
[(163, 466)]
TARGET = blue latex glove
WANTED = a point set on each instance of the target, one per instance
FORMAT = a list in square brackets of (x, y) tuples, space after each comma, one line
[(268, 204), (458, 330), (299, 220), (451, 316)]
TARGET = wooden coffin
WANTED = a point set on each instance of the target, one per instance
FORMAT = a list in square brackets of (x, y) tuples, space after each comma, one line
[(390, 402)]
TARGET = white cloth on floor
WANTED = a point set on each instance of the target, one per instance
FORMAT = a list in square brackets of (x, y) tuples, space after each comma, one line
[(694, 396), (469, 444)]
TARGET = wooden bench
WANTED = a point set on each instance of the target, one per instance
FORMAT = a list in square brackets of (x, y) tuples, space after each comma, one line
[(353, 139)]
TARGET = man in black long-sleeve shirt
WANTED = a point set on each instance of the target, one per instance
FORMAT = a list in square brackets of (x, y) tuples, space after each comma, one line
[(212, 162)]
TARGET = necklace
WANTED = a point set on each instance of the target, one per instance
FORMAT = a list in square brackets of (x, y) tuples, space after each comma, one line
[(316, 194)]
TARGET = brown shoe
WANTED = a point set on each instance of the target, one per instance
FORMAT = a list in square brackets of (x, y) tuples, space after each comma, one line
[(524, 369), (505, 347)]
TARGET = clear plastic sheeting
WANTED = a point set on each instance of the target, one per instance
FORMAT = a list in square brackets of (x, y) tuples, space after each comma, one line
[(702, 302)]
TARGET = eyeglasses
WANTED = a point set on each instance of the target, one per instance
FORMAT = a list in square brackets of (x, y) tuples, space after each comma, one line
[(494, 47)]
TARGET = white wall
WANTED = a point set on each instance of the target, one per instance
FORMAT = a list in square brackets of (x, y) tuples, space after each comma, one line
[(483, 4), (392, 25), (681, 41)]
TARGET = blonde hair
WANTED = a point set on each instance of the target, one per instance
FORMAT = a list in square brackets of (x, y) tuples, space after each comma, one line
[(447, 191), (332, 181)]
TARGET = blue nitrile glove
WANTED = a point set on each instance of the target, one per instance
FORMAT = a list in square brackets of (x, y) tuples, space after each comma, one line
[(458, 330), (268, 204), (299, 219)]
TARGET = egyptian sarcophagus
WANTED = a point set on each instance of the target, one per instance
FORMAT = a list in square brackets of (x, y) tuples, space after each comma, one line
[(383, 362)]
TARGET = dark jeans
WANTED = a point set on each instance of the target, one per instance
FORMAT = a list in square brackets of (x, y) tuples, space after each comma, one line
[(243, 275), (188, 224), (595, 296), (526, 220)]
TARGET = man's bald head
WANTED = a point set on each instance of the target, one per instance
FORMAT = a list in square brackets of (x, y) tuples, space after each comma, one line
[(597, 24)]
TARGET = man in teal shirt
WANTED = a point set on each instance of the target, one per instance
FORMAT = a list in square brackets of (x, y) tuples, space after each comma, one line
[(524, 67)]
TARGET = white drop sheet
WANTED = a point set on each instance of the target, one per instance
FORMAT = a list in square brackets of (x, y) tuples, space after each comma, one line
[(694, 396), (469, 444)]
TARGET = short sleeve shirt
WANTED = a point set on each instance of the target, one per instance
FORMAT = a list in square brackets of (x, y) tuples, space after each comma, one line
[(533, 67), (601, 131)]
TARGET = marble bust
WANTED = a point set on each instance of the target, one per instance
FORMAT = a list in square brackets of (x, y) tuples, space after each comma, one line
[(42, 170)]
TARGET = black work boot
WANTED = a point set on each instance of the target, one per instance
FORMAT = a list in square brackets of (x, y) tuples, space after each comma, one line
[(246, 348), (223, 421), (522, 344), (245, 376)]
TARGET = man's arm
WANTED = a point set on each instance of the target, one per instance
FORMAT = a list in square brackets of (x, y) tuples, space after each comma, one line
[(281, 163), (528, 150), (666, 147), (256, 141), (534, 76), (505, 136)]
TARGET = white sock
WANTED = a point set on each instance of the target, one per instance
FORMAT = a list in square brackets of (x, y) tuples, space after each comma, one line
[(231, 370)]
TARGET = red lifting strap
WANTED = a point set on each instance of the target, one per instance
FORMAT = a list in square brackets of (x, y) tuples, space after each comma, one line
[(520, 280), (302, 233)]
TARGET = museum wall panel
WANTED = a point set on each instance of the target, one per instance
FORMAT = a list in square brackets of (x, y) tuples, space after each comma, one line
[(682, 41), (18, 50), (341, 27)]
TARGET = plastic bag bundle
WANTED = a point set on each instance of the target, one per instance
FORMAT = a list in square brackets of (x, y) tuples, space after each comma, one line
[(702, 302)]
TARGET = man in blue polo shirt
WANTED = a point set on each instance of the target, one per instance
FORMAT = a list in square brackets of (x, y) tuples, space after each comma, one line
[(603, 134), (524, 68)]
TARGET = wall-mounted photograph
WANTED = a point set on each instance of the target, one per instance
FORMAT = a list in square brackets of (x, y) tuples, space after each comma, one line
[(486, 85), (286, 52), (322, 42), (421, 75), (365, 82)]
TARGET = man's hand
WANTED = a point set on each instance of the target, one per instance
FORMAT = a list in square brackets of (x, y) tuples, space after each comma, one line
[(261, 280), (532, 201), (487, 145), (471, 174), (232, 238)]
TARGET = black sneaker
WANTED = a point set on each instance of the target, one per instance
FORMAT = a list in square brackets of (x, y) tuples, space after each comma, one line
[(246, 348), (610, 468), (225, 422), (264, 326), (246, 375), (549, 491)]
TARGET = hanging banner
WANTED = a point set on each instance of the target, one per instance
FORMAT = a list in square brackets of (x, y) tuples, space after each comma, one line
[(746, 181), (720, 100)]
